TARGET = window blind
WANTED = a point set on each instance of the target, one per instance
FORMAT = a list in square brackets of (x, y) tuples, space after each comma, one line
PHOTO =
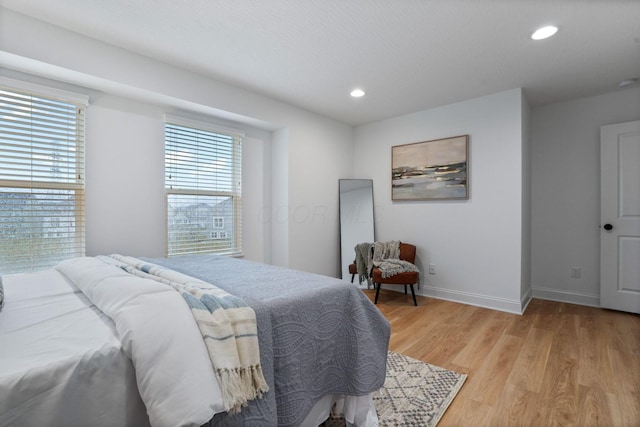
[(41, 180), (203, 188)]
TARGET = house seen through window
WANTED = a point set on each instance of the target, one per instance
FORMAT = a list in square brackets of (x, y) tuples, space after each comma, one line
[(203, 188)]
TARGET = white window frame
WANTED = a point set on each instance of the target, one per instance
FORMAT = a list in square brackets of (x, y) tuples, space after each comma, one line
[(235, 246), (218, 222)]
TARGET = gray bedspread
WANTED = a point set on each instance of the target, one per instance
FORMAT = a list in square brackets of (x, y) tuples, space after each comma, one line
[(318, 335)]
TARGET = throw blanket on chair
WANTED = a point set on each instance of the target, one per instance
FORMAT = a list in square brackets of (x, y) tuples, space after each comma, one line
[(391, 267), (363, 261), (227, 325), (385, 250), (386, 257)]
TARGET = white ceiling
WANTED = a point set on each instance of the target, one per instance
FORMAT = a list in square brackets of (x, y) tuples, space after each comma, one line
[(408, 55)]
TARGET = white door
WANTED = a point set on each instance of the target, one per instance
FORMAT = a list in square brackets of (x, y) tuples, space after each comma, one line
[(620, 216)]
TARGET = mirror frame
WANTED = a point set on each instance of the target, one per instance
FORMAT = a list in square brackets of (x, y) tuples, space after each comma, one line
[(362, 212)]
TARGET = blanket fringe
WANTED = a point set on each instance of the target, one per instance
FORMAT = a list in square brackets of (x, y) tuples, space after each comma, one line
[(241, 385)]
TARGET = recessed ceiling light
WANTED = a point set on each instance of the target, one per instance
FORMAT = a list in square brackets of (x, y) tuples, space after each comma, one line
[(544, 32), (357, 93)]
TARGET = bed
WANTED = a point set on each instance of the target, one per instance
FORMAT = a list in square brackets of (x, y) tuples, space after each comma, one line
[(64, 361)]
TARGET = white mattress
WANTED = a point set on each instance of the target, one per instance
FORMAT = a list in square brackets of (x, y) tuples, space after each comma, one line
[(61, 362)]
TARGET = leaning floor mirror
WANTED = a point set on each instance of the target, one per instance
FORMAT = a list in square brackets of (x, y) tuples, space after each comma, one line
[(356, 219)]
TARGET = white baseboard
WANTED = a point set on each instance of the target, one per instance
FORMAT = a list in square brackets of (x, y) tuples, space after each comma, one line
[(591, 300), (500, 304), (526, 299), (503, 304)]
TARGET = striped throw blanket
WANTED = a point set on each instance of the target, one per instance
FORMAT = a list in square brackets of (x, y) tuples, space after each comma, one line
[(227, 325)]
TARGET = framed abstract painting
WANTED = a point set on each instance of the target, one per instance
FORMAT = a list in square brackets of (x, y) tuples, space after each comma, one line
[(431, 170)]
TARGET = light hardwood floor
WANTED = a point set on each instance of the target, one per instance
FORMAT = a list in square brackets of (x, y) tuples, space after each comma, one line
[(557, 365)]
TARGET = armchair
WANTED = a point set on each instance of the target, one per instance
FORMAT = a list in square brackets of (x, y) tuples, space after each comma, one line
[(407, 253)]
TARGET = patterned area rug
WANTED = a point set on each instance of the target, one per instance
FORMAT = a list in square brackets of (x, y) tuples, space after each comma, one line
[(414, 393)]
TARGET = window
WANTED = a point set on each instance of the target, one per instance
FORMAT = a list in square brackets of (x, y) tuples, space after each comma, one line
[(41, 176), (203, 187)]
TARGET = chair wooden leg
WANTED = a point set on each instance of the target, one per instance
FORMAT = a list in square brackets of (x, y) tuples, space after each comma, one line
[(377, 292), (405, 289), (414, 296), (352, 276)]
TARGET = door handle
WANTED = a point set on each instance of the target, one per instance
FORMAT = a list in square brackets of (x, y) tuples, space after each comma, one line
[(608, 227)]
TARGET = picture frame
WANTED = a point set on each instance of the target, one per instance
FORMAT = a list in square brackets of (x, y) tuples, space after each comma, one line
[(431, 170)]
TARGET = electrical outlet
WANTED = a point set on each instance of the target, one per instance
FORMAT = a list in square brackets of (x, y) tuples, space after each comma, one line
[(576, 272), (432, 269)]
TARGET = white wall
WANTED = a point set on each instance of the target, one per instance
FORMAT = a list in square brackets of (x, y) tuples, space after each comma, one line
[(256, 194), (277, 214), (316, 151), (565, 142), (474, 244), (124, 179), (526, 290), (320, 158)]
